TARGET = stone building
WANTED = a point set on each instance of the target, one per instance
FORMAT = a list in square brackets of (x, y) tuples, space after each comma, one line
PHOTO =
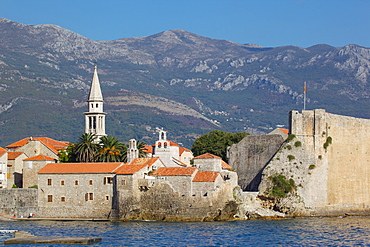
[(76, 190), (118, 190), (3, 168), (30, 168), (15, 169), (90, 190), (30, 147), (170, 153), (33, 146)]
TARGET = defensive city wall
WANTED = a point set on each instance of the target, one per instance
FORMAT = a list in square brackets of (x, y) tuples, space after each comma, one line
[(329, 159)]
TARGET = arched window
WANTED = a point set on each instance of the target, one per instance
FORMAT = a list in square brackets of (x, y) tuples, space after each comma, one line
[(159, 144), (165, 145)]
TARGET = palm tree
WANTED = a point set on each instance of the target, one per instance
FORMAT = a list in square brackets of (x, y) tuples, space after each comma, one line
[(140, 146), (86, 150), (111, 149)]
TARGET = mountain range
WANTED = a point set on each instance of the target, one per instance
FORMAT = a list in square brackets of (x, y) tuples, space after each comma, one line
[(176, 80)]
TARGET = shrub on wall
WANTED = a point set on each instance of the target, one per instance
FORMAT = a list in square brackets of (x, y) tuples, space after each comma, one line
[(328, 142), (290, 157), (298, 144), (281, 186), (290, 137)]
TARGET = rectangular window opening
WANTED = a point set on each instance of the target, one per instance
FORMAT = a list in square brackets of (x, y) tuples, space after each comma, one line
[(62, 199), (50, 198), (49, 181), (108, 180)]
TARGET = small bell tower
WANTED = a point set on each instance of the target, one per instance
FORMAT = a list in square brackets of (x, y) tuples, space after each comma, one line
[(95, 117)]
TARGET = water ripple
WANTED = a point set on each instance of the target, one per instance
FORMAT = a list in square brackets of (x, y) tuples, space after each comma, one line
[(347, 231)]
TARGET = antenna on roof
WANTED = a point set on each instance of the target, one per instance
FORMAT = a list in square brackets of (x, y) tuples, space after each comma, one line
[(304, 95)]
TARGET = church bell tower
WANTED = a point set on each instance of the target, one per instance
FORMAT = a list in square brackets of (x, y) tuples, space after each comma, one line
[(95, 117)]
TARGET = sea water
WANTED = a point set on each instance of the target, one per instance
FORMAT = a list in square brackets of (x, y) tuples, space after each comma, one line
[(326, 231)]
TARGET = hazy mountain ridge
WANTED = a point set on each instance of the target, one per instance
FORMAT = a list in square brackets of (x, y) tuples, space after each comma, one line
[(237, 86)]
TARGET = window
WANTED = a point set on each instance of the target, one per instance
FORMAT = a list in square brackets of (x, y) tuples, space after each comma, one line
[(62, 199), (107, 198), (76, 182), (97, 105), (49, 181), (89, 196), (123, 182), (108, 180), (90, 182), (50, 198), (62, 182)]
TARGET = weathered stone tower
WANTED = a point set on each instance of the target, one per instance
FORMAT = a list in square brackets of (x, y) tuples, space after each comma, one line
[(95, 117)]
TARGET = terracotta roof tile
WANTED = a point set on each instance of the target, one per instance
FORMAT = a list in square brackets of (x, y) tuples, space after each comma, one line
[(225, 165), (207, 156), (148, 149), (174, 171), (182, 149), (13, 155), (40, 157), (144, 161), (171, 143), (129, 169), (205, 176), (54, 145), (286, 131), (65, 168), (3, 151)]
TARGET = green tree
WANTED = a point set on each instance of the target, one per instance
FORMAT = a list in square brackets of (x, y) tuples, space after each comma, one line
[(86, 150), (140, 146), (67, 155), (111, 149), (216, 142)]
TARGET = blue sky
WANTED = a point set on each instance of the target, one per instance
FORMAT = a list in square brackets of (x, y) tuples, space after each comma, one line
[(267, 23)]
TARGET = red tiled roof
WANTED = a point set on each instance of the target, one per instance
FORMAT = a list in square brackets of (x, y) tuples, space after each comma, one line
[(13, 155), (54, 145), (144, 161), (171, 143), (182, 149), (3, 151), (286, 131), (174, 171), (179, 162), (129, 169), (207, 156), (205, 176), (148, 149), (80, 167), (225, 165), (40, 157)]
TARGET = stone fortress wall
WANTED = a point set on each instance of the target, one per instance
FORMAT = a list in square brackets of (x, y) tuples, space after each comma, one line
[(329, 161), (18, 202)]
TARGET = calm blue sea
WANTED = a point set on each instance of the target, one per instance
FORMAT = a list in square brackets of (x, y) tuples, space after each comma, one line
[(347, 231)]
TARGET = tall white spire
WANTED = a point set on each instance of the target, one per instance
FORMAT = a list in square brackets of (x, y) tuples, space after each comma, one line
[(95, 117), (95, 91)]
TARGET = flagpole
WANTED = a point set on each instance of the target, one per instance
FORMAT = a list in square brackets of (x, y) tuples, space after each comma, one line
[(304, 95)]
